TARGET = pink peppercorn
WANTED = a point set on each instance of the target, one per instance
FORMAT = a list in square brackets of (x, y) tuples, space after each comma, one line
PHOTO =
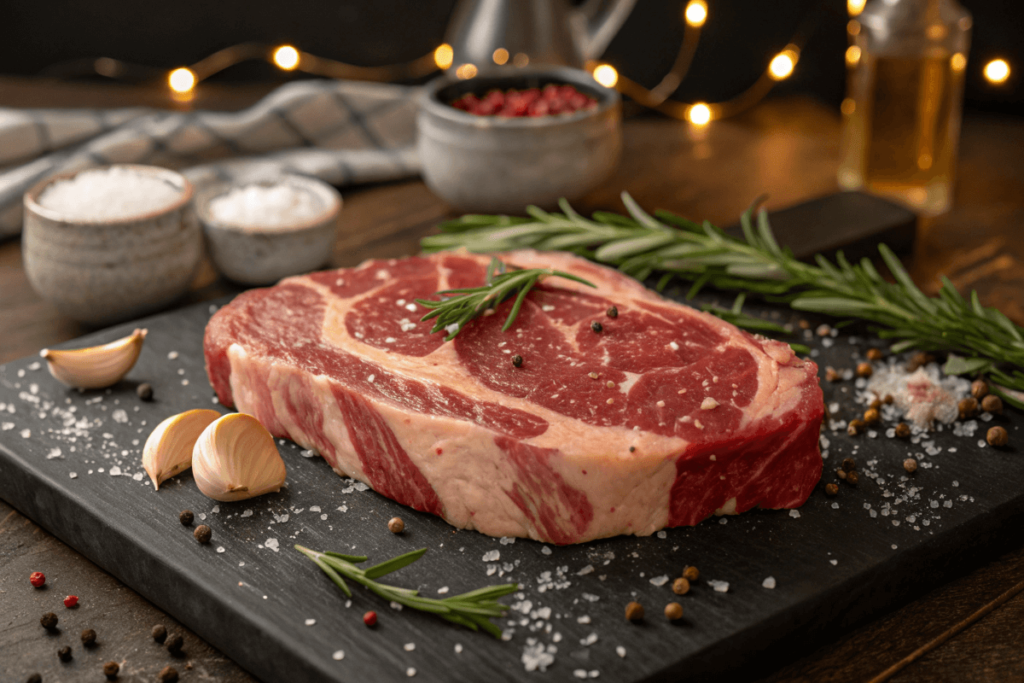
[(71, 601), (370, 618), (37, 579)]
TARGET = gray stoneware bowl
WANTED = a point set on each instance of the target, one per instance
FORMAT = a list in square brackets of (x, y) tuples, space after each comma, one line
[(104, 271), (491, 164), (254, 256)]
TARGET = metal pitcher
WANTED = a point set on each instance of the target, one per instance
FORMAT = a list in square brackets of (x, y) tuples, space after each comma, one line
[(520, 32)]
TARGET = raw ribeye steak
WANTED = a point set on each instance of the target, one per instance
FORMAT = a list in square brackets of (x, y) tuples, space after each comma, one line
[(662, 418)]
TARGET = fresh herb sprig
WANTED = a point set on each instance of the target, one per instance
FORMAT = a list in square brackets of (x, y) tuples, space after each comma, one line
[(458, 306), (667, 245), (473, 610)]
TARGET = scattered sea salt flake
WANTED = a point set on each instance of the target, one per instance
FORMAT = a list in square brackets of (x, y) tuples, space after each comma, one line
[(338, 655), (119, 416), (719, 586), (220, 549), (491, 556), (507, 540), (835, 562), (272, 543), (660, 580), (73, 475), (545, 550), (137, 476), (585, 619), (589, 640), (25, 433), (620, 651), (410, 672), (795, 514), (409, 647), (172, 355), (662, 535), (589, 569), (54, 453), (396, 606), (458, 648), (442, 590), (246, 513), (768, 582), (310, 622)]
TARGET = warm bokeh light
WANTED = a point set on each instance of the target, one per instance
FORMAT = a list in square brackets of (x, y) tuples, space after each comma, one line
[(286, 57), (181, 80), (466, 71), (606, 75), (699, 114), (696, 13), (958, 61), (500, 56), (852, 55), (782, 64), (443, 56), (848, 106), (853, 27), (997, 71), (521, 59), (855, 7)]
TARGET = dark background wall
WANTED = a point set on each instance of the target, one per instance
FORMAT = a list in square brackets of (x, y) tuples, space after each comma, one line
[(737, 42)]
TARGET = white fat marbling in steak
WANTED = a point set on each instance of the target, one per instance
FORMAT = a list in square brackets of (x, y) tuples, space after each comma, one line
[(666, 416)]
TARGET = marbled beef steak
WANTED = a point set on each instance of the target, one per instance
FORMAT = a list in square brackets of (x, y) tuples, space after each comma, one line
[(666, 416)]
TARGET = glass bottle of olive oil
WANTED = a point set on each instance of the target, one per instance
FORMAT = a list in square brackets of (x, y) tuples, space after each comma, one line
[(901, 116)]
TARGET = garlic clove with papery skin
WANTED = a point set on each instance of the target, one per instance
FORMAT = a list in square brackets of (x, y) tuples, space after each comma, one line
[(168, 450), (235, 458), (95, 367)]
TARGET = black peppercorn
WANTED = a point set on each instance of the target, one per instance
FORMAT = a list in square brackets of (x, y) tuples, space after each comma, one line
[(849, 464), (34, 678), (64, 653), (612, 312), (852, 478), (110, 670), (175, 643), (517, 361), (159, 633), (596, 326), (203, 533), (49, 621), (186, 517), (168, 674), (145, 391), (831, 489), (88, 637)]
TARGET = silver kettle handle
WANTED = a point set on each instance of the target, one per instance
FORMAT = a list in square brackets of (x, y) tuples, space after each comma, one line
[(597, 22)]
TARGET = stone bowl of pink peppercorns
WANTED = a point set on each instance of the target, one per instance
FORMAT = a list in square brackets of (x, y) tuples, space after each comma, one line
[(513, 137)]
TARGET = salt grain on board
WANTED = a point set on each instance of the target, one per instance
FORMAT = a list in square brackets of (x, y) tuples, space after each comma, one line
[(338, 655)]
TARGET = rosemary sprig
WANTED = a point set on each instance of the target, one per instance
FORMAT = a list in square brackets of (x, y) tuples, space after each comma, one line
[(473, 610), (458, 306), (642, 245)]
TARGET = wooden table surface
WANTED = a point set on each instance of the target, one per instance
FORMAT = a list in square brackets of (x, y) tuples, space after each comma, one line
[(971, 629)]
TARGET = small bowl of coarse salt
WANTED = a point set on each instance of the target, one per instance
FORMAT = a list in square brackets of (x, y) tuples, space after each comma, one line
[(260, 232), (112, 243)]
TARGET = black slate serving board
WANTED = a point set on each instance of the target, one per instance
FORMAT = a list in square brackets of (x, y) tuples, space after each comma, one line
[(836, 563)]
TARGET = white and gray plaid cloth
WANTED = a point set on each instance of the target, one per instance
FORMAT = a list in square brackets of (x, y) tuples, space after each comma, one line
[(343, 132)]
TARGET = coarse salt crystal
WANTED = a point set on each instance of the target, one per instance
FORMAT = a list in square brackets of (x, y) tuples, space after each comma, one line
[(276, 206), (272, 543), (659, 580), (769, 582), (491, 556), (110, 193), (620, 651), (310, 622), (719, 586), (338, 655), (409, 647)]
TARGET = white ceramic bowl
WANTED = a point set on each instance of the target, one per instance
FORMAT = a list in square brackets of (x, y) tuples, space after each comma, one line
[(493, 164), (253, 255), (104, 271)]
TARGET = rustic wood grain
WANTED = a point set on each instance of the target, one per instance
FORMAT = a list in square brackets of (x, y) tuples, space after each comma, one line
[(787, 149)]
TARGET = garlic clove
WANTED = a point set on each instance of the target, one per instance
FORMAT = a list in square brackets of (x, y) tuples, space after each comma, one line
[(235, 458), (95, 367), (168, 450)]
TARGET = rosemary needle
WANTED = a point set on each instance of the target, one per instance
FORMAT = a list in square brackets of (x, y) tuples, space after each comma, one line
[(473, 610), (643, 245), (458, 306)]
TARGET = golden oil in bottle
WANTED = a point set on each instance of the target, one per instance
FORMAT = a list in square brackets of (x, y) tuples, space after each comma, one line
[(902, 112)]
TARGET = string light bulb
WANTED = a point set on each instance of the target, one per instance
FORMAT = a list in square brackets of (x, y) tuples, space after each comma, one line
[(782, 65), (181, 80), (696, 13), (443, 56), (997, 71), (500, 56), (855, 7), (699, 114), (606, 75), (286, 57)]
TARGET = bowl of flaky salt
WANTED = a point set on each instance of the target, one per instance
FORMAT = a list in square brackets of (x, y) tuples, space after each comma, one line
[(113, 243), (259, 232)]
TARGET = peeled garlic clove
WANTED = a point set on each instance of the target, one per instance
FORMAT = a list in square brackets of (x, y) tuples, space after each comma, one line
[(168, 450), (235, 458), (95, 367)]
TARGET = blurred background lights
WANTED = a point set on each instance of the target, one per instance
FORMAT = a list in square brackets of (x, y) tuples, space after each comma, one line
[(466, 71), (181, 80), (782, 64), (997, 71), (443, 56), (855, 7), (286, 57), (958, 61), (521, 59), (500, 56), (852, 55), (606, 75), (696, 13), (699, 114)]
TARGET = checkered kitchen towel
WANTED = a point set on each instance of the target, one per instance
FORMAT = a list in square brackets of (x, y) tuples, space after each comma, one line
[(343, 132)]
